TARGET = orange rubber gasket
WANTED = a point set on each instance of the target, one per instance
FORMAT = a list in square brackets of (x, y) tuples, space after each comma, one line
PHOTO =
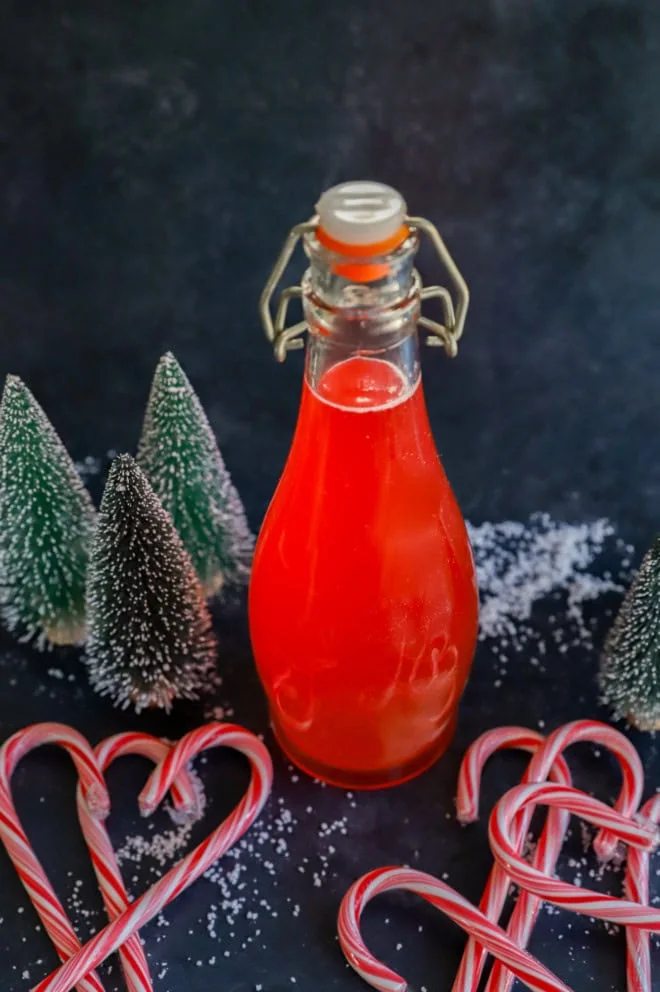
[(363, 251), (366, 271)]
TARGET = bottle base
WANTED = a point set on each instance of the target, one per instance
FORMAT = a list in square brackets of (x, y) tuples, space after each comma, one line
[(382, 778)]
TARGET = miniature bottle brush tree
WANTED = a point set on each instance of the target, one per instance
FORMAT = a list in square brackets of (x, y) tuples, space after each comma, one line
[(630, 666), (179, 455), (150, 639), (46, 525)]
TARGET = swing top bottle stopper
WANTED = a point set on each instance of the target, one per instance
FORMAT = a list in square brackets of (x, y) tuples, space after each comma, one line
[(361, 244)]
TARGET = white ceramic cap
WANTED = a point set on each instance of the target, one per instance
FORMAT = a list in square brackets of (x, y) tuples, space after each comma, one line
[(361, 213)]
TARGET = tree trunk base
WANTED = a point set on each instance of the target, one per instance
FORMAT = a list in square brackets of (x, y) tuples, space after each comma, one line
[(213, 585), (66, 634), (648, 724)]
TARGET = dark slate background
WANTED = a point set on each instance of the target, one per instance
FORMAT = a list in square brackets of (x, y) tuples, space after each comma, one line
[(152, 158)]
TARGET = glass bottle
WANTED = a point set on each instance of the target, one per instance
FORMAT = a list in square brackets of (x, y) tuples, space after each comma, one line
[(363, 601)]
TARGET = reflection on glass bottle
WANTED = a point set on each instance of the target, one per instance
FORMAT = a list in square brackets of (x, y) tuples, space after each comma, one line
[(363, 600)]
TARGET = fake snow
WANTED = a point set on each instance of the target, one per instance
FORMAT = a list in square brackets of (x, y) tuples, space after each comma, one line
[(550, 566), (520, 564)]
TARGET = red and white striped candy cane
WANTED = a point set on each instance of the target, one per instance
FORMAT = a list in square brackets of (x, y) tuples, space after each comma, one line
[(29, 869), (467, 808), (594, 732), (458, 909), (526, 910), (501, 831), (189, 869), (115, 897), (479, 754), (638, 961)]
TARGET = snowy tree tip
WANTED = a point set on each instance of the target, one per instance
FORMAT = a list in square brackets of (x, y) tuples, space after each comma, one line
[(125, 483), (168, 371), (14, 382), (168, 363), (125, 471), (15, 389)]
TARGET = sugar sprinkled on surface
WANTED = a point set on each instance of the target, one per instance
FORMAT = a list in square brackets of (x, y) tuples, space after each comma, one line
[(519, 564)]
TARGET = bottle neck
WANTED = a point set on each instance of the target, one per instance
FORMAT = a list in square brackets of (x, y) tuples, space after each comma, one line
[(362, 311)]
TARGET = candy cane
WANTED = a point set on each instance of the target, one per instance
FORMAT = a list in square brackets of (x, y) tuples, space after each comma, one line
[(636, 887), (29, 869), (501, 832), (482, 750), (467, 807), (189, 869), (458, 909), (527, 908), (115, 898), (593, 732)]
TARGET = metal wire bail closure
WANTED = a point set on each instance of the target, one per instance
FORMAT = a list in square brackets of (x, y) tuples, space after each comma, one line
[(445, 334), (284, 338)]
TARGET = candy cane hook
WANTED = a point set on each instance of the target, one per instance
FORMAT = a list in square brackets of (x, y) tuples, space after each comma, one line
[(527, 908), (636, 887), (131, 954), (501, 832), (467, 807), (458, 909), (29, 869)]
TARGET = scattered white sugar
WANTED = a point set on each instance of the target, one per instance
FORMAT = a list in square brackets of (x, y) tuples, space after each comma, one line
[(519, 564), (337, 826), (163, 848), (56, 673)]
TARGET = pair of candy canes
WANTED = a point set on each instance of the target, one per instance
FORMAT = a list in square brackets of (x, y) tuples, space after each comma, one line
[(509, 823), (93, 801)]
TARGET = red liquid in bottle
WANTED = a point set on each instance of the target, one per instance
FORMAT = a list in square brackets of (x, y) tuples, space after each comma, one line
[(363, 599)]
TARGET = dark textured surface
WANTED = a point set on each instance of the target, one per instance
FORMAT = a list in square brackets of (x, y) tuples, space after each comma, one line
[(152, 158)]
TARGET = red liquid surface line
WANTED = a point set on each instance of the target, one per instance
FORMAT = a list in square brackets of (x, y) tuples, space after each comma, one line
[(363, 601)]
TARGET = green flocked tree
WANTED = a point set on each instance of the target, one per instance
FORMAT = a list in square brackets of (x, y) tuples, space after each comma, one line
[(150, 639), (179, 455), (46, 525), (630, 665)]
